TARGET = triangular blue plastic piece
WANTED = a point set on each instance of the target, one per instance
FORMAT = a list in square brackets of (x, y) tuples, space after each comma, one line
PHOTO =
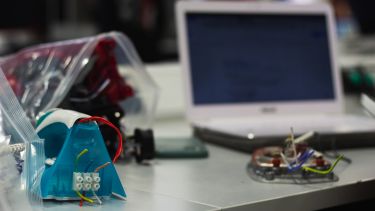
[(64, 144)]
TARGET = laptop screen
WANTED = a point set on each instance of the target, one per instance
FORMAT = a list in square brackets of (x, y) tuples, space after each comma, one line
[(244, 58)]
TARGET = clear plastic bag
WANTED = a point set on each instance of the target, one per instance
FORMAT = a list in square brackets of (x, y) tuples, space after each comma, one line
[(12, 197), (94, 74), (100, 72), (18, 191)]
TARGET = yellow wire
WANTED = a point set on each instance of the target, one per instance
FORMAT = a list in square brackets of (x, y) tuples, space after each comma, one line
[(81, 153), (76, 164), (84, 198), (324, 171), (79, 156)]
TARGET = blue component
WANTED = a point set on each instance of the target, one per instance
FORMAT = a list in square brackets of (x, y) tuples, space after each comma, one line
[(64, 144), (302, 160)]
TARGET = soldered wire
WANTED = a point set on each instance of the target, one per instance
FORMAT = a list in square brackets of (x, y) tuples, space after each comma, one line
[(324, 171)]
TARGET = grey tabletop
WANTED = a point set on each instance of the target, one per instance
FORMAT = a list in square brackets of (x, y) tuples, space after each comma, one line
[(221, 181)]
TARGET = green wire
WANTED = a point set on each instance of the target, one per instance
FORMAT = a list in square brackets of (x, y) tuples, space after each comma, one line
[(84, 198), (76, 167), (78, 157), (324, 171)]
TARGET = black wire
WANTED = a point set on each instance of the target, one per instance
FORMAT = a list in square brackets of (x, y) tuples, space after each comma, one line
[(335, 154)]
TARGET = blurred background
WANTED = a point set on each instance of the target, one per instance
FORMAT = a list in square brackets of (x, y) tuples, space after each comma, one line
[(150, 24)]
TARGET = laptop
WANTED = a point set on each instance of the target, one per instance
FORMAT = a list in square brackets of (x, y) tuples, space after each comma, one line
[(252, 71)]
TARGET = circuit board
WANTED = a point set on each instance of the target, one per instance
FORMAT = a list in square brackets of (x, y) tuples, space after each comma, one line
[(267, 166), (295, 163)]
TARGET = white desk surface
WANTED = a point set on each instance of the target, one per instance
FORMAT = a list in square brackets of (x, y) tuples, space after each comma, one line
[(221, 181)]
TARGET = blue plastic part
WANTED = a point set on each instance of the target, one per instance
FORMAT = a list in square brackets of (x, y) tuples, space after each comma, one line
[(65, 144)]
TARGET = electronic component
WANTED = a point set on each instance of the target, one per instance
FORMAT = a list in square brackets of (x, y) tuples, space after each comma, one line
[(78, 166), (357, 80), (65, 74), (141, 145), (112, 97), (294, 163)]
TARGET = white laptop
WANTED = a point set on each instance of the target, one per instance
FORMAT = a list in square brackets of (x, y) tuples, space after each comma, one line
[(254, 70)]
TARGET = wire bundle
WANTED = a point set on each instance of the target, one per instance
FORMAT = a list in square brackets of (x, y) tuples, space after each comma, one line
[(298, 163), (300, 160), (117, 155), (82, 196), (317, 171)]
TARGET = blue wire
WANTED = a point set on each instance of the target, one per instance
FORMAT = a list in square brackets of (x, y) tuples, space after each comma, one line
[(301, 157), (302, 160)]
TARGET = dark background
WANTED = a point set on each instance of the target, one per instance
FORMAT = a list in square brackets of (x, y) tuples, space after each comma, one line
[(148, 23)]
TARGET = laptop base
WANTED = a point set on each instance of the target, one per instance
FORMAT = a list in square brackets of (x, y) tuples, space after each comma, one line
[(324, 142)]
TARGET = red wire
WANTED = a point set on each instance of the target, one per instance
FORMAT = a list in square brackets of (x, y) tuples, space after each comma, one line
[(102, 120), (81, 202)]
